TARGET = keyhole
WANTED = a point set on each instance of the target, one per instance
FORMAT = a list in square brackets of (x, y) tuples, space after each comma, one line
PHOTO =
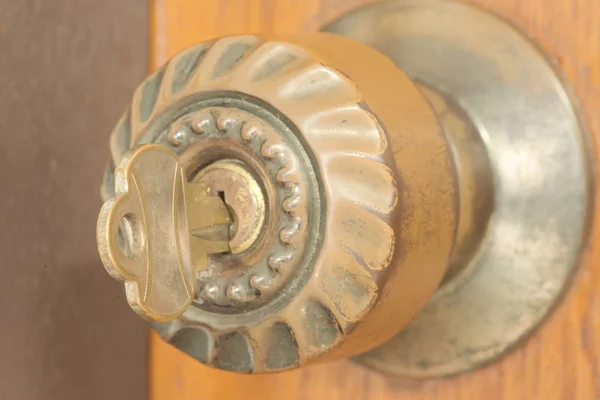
[(131, 237), (234, 218)]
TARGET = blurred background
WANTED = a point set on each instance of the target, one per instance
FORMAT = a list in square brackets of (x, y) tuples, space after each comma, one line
[(67, 71)]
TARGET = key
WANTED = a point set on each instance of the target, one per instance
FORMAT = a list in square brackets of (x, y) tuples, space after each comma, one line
[(156, 234)]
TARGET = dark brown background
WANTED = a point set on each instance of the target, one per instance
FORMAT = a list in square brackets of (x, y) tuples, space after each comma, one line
[(67, 70)]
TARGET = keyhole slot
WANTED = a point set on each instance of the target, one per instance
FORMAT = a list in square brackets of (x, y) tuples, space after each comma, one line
[(234, 218), (131, 236)]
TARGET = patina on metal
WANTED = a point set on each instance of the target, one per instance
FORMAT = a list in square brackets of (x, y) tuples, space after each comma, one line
[(531, 159), (329, 205), (423, 225), (158, 230), (234, 182)]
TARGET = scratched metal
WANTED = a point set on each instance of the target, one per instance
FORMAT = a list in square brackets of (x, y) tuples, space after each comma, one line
[(542, 180), (339, 264)]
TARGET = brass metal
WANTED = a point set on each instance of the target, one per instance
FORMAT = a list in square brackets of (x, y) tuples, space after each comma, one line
[(476, 181), (304, 126), (158, 230), (242, 194), (423, 227), (525, 182)]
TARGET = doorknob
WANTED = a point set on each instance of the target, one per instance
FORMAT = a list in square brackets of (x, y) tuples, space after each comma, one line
[(418, 203)]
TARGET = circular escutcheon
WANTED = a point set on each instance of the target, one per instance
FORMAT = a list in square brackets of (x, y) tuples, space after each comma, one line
[(540, 167)]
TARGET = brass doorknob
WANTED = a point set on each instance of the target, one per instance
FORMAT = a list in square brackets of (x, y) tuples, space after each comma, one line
[(278, 201)]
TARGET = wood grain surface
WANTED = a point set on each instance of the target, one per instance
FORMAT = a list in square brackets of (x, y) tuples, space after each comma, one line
[(561, 361)]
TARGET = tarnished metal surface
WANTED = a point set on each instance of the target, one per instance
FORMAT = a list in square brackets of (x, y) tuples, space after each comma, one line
[(339, 263), (158, 230), (242, 193), (542, 186), (475, 180)]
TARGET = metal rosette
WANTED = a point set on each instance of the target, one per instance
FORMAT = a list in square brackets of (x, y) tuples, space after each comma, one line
[(328, 247), (530, 141)]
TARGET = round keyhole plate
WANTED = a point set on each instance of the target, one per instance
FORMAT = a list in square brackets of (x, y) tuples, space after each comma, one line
[(541, 174)]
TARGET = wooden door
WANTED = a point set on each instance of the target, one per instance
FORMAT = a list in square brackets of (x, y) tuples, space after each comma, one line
[(560, 361)]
